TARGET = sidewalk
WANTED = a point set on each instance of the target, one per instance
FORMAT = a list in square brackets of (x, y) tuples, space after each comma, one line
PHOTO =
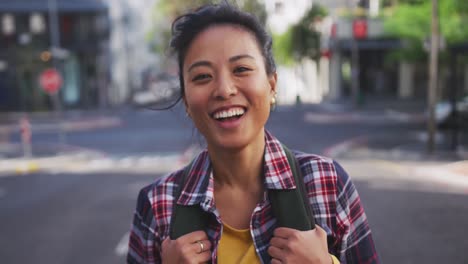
[(49, 156), (406, 155), (403, 152), (44, 122)]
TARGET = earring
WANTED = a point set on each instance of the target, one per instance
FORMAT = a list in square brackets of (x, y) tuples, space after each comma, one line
[(273, 103), (273, 100)]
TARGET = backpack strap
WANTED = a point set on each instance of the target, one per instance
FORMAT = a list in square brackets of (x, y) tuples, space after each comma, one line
[(291, 207), (186, 218)]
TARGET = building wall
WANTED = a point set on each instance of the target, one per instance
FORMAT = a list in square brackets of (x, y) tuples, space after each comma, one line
[(105, 68), (284, 13), (26, 52), (302, 81), (131, 56)]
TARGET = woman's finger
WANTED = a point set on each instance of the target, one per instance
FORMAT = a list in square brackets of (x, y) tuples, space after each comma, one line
[(194, 236), (201, 251), (203, 257), (320, 231), (275, 252), (275, 261), (283, 232), (201, 246), (279, 242)]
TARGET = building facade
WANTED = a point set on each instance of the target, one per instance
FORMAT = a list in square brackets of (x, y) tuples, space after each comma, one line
[(80, 53), (354, 48)]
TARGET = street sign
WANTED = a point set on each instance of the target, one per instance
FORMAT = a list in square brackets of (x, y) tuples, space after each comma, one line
[(50, 81), (360, 29)]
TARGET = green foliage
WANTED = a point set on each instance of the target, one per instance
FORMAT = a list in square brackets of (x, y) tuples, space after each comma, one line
[(305, 39), (454, 18), (411, 21), (282, 48), (301, 40)]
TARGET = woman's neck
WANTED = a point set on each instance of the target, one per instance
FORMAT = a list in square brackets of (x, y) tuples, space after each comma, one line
[(240, 168)]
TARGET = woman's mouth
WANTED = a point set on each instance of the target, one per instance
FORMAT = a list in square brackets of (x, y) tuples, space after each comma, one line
[(229, 114)]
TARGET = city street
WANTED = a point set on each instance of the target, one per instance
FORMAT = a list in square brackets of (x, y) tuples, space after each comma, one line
[(81, 213)]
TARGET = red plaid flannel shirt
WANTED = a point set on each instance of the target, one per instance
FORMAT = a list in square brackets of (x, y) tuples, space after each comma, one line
[(334, 201)]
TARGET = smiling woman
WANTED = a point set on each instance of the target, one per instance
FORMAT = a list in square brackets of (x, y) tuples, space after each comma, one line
[(226, 77), (228, 83)]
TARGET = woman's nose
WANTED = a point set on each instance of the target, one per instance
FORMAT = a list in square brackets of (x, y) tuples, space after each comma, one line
[(225, 88)]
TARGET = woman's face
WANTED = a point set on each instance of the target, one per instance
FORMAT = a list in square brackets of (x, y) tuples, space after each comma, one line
[(227, 90)]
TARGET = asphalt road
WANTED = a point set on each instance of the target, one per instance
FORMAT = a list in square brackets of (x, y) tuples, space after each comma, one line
[(83, 218)]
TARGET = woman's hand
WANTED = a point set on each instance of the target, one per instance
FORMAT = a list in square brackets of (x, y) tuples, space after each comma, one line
[(293, 246), (194, 247)]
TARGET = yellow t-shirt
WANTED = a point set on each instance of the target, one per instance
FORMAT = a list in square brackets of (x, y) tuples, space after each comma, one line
[(236, 246), (335, 259)]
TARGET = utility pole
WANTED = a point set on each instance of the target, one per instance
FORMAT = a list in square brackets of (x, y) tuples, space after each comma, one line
[(355, 85), (433, 70), (55, 48)]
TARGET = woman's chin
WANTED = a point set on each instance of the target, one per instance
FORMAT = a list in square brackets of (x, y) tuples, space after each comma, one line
[(234, 141)]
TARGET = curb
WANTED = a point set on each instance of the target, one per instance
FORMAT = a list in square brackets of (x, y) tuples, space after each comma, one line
[(90, 161), (77, 125), (22, 166), (447, 172), (340, 148)]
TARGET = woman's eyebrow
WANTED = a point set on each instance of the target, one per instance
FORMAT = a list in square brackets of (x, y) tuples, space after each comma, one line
[(238, 57), (207, 63), (199, 63)]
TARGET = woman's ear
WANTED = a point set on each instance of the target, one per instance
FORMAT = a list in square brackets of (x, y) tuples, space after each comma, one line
[(272, 80), (187, 111)]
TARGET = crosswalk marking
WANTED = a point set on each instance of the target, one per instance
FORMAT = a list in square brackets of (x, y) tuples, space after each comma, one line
[(122, 247)]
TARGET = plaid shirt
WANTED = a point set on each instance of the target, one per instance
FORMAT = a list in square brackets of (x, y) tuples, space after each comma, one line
[(334, 201)]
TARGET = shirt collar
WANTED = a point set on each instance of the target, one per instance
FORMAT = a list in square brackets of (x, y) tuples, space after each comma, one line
[(199, 183), (278, 173)]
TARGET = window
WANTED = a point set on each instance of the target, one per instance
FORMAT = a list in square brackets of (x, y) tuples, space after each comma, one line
[(8, 24)]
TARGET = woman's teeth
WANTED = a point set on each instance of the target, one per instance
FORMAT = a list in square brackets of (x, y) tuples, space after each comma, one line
[(228, 113)]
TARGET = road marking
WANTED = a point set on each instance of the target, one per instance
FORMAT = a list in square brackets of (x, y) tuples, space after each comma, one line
[(122, 247), (3, 192)]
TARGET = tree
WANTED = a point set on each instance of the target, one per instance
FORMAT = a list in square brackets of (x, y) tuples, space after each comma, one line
[(410, 21), (305, 38), (302, 40)]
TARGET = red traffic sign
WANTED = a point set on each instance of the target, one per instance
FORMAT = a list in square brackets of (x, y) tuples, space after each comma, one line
[(360, 28), (50, 80)]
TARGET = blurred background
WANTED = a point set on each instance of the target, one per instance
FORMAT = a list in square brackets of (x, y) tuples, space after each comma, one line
[(379, 85)]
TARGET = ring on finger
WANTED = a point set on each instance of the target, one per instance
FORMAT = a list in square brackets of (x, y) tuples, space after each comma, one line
[(202, 246)]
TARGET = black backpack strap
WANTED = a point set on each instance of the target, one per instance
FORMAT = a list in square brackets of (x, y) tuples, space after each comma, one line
[(291, 207), (186, 218)]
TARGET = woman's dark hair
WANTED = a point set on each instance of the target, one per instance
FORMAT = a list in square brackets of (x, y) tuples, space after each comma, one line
[(186, 27)]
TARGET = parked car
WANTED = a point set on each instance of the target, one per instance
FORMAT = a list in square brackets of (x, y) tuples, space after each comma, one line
[(445, 117), (158, 91)]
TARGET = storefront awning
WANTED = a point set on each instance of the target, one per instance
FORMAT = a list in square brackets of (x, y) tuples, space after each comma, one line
[(371, 44), (26, 6)]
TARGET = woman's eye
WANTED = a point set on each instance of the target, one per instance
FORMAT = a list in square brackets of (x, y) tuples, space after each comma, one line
[(200, 77), (241, 69)]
